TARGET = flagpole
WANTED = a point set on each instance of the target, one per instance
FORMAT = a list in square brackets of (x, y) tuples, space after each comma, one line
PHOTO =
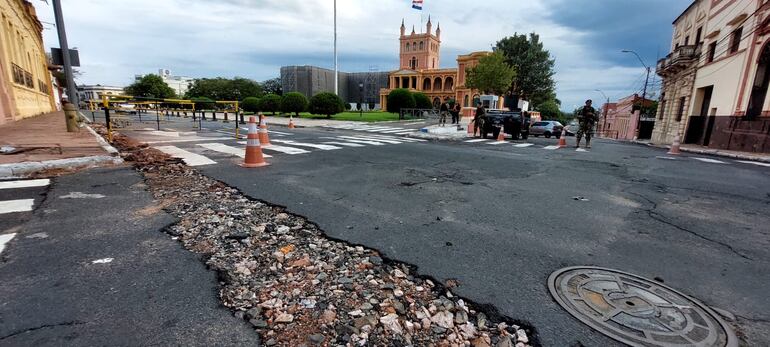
[(336, 75)]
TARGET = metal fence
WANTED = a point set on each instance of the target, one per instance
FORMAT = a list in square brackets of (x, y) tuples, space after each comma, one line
[(418, 113)]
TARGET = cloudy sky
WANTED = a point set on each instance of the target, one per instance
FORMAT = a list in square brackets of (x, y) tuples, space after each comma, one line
[(254, 38)]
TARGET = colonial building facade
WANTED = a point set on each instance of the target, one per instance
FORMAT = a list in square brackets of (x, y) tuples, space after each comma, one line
[(715, 81), (25, 82), (419, 70)]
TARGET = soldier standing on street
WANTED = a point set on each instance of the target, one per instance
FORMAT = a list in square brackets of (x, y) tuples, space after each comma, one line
[(443, 110), (478, 119), (586, 118)]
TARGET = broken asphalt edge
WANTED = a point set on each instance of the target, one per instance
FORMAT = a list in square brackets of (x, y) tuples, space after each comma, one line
[(492, 312)]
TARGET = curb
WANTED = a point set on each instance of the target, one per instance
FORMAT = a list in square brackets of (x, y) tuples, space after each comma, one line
[(714, 152), (105, 145), (27, 168)]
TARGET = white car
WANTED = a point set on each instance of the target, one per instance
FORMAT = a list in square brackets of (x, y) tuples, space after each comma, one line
[(546, 128)]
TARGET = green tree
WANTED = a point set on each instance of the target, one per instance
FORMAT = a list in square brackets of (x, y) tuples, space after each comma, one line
[(270, 103), (549, 110), (224, 89), (327, 104), (294, 102), (400, 98), (492, 75), (422, 101), (250, 104), (533, 64), (151, 86), (273, 86)]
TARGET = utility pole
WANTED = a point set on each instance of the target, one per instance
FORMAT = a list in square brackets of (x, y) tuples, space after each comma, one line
[(336, 74), (644, 92), (606, 108), (72, 93)]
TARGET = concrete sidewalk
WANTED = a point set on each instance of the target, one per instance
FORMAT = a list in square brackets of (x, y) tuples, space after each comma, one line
[(42, 142), (760, 157)]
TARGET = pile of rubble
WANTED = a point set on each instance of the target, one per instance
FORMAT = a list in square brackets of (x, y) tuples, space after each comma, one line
[(297, 287)]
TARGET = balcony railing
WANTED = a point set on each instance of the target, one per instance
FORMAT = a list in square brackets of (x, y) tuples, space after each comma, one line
[(679, 59)]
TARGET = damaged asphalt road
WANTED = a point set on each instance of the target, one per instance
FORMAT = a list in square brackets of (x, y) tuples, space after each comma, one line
[(501, 223)]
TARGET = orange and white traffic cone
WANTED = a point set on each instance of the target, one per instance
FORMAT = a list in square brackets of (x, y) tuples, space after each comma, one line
[(291, 122), (675, 146), (254, 157), (501, 136), (264, 139), (262, 121), (563, 139)]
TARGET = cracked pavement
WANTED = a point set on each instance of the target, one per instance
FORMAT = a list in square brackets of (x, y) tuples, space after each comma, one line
[(500, 220)]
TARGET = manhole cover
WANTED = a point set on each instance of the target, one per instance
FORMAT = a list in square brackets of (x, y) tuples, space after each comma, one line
[(637, 311)]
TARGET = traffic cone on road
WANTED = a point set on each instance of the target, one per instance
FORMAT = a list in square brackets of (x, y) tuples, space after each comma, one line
[(262, 121), (675, 146), (254, 157), (264, 138), (501, 136), (563, 139), (291, 122)]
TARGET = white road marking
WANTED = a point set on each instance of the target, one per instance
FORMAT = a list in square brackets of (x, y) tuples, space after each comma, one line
[(346, 138), (21, 205), (231, 133), (223, 148), (189, 158), (102, 261), (200, 139), (279, 133), (371, 138), (37, 236), (347, 144), (664, 157), (476, 140), (311, 145), (79, 195), (523, 145), (381, 129), (394, 130), (497, 143), (754, 163), (282, 149), (550, 148), (5, 238), (581, 150), (707, 160), (24, 183), (394, 138)]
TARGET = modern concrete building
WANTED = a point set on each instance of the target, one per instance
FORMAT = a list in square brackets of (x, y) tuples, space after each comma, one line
[(353, 87), (95, 92), (716, 78), (180, 84), (25, 82)]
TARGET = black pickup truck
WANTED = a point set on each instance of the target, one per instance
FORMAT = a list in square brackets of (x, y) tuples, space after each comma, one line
[(515, 123)]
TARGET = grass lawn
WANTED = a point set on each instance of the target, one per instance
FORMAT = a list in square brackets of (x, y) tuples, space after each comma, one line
[(374, 116)]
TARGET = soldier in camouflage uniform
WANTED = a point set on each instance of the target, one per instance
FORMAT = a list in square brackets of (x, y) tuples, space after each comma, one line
[(586, 119)]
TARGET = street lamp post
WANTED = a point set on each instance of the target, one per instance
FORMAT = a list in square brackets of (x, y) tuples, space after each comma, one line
[(606, 105), (644, 92), (336, 73), (72, 94), (361, 99)]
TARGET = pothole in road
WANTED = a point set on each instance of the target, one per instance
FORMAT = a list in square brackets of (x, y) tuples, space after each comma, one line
[(637, 311)]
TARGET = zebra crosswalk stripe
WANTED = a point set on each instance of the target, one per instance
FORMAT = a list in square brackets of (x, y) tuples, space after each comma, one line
[(389, 137), (4, 238), (476, 140), (311, 145), (346, 144), (497, 143), (24, 184), (394, 130), (223, 148), (355, 140), (190, 158), (550, 148), (371, 138), (523, 145), (282, 149), (20, 205)]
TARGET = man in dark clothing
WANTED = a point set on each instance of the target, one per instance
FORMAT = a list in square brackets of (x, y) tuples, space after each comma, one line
[(478, 119), (586, 118), (443, 110)]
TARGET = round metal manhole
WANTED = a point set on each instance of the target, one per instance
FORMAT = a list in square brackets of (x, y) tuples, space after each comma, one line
[(637, 311)]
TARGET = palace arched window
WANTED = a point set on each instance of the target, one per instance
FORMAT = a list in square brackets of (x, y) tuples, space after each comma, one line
[(421, 46)]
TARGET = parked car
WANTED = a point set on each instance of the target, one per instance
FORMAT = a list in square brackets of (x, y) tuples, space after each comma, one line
[(514, 123), (546, 128), (572, 128)]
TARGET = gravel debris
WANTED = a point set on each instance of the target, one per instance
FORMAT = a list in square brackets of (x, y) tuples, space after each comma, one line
[(296, 287)]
